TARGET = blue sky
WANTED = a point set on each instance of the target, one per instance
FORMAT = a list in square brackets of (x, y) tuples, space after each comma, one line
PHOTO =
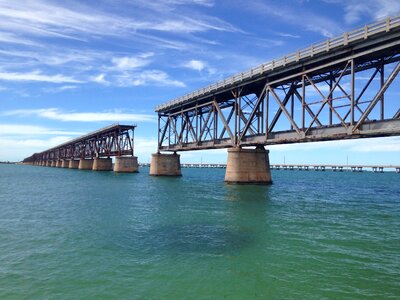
[(71, 67)]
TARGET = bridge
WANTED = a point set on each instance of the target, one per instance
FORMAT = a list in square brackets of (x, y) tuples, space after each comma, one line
[(93, 151), (342, 88)]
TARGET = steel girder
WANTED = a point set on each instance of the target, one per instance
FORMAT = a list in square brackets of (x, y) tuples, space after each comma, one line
[(356, 96), (116, 140)]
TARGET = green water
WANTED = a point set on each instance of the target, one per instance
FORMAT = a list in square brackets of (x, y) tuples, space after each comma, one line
[(69, 234)]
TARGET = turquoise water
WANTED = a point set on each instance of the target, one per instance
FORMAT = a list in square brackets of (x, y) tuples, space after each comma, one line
[(69, 234)]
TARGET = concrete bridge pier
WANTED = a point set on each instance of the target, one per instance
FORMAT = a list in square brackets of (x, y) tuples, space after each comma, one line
[(102, 164), (53, 163), (48, 163), (126, 164), (65, 163), (85, 164), (59, 163), (248, 166), (73, 164), (165, 164)]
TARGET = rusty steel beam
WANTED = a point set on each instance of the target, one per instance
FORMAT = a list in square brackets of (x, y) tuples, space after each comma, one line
[(114, 140)]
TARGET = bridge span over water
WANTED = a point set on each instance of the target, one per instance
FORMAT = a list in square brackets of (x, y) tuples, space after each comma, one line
[(93, 151), (343, 88)]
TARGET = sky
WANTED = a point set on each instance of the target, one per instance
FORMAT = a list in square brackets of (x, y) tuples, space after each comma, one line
[(71, 67)]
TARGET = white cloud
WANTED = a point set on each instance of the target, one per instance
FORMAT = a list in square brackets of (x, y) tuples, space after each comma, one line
[(100, 79), (289, 35), (56, 114), (196, 65), (37, 18), (60, 89), (7, 37), (376, 9), (37, 76), (132, 62), (29, 130), (306, 19), (148, 77)]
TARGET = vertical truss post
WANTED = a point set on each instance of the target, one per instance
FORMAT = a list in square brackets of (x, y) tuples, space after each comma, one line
[(236, 118), (330, 98), (169, 131), (197, 124), (292, 109), (159, 129), (382, 71), (303, 102), (215, 135), (239, 117), (352, 96), (261, 120), (266, 114)]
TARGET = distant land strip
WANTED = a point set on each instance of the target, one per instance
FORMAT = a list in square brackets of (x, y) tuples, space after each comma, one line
[(305, 167)]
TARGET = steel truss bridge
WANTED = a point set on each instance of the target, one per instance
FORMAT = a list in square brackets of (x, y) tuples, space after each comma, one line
[(114, 140), (342, 88)]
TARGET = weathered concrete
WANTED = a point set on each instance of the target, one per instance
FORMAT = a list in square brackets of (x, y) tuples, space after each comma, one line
[(53, 163), (65, 163), (58, 163), (248, 166), (126, 164), (48, 163), (165, 165), (102, 164), (85, 164), (73, 164)]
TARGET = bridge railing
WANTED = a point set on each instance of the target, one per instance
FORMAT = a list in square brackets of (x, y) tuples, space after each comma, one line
[(315, 49)]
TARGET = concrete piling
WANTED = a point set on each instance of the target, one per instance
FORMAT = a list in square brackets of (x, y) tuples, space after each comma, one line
[(102, 164), (85, 164), (248, 166), (73, 164), (165, 165), (126, 164)]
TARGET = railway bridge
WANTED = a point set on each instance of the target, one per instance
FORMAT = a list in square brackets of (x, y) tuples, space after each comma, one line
[(93, 151), (344, 88)]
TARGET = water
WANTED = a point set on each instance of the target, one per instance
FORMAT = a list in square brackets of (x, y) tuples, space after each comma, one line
[(69, 234)]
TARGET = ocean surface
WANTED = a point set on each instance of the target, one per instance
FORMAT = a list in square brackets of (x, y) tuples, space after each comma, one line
[(69, 234)]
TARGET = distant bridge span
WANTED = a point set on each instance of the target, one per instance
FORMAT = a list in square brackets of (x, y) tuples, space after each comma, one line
[(93, 151), (344, 88)]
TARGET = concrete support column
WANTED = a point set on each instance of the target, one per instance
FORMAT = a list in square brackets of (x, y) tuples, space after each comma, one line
[(73, 164), (102, 164), (59, 163), (248, 166), (65, 163), (165, 165), (48, 163), (126, 164), (53, 163), (85, 164)]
